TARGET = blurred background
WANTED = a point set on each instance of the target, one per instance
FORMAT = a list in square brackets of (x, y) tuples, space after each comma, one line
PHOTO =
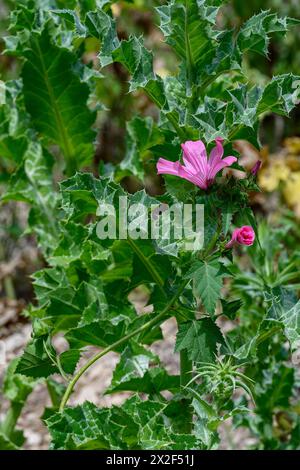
[(279, 177)]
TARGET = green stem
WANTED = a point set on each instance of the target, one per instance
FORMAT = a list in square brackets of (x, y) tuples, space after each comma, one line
[(186, 368), (186, 364), (9, 288), (186, 375), (11, 418), (154, 322)]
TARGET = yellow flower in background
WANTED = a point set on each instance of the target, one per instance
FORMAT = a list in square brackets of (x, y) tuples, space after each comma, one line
[(292, 144), (293, 162), (283, 170), (273, 174), (291, 191)]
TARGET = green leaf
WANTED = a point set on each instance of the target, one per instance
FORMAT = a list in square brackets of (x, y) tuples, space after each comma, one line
[(98, 334), (290, 320), (56, 99), (249, 348), (83, 427), (208, 281), (133, 373), (155, 380), (132, 54), (136, 425), (6, 443), (134, 363), (103, 27), (228, 211), (40, 359), (69, 359), (56, 391), (32, 182), (200, 339), (231, 308), (187, 27), (275, 389), (14, 125), (255, 33), (142, 134), (281, 95), (35, 361), (284, 310), (17, 387), (207, 421), (82, 194), (238, 118), (71, 21), (181, 190), (279, 300)]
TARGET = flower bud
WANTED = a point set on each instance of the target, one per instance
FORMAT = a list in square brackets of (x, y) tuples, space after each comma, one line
[(242, 236), (256, 167)]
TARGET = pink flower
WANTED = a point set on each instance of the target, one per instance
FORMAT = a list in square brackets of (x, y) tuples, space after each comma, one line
[(243, 236), (256, 167), (197, 168)]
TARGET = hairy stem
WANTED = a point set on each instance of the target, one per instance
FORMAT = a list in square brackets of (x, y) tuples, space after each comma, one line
[(154, 322)]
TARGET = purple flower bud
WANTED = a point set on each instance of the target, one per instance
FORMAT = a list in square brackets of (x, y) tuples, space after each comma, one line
[(256, 168)]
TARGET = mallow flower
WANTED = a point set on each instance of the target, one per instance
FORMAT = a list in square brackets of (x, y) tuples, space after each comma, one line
[(242, 236), (197, 167)]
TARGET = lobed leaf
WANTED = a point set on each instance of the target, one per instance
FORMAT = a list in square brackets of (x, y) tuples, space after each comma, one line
[(200, 339)]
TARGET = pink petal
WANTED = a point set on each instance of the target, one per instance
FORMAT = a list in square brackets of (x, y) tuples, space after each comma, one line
[(198, 180), (164, 166), (194, 156), (227, 161), (217, 152), (234, 236)]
